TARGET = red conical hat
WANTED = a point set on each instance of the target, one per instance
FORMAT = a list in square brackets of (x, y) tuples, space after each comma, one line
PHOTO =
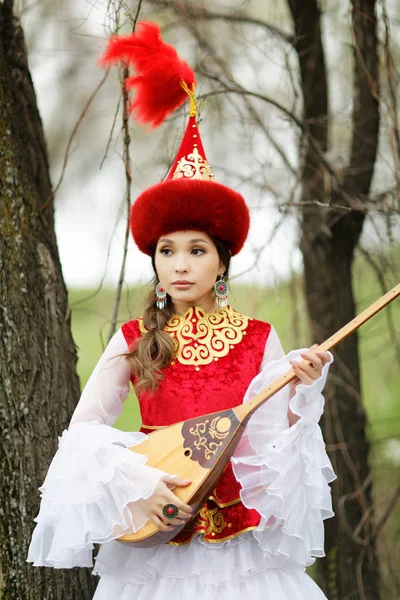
[(189, 198)]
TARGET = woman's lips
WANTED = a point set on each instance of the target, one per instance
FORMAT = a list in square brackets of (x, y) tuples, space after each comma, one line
[(182, 286)]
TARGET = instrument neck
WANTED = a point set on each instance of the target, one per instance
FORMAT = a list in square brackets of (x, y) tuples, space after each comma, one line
[(244, 411)]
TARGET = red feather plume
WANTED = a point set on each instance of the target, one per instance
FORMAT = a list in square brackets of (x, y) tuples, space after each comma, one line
[(159, 72)]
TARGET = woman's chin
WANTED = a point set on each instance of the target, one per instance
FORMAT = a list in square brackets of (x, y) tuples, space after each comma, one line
[(182, 293), (182, 297), (188, 296)]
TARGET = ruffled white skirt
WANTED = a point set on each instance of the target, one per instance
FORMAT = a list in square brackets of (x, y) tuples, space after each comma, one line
[(94, 489), (228, 571)]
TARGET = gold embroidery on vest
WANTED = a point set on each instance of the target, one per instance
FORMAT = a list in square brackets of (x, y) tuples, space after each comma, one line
[(210, 520), (203, 337)]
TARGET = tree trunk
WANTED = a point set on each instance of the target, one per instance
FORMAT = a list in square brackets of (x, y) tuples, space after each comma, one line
[(38, 381), (328, 240)]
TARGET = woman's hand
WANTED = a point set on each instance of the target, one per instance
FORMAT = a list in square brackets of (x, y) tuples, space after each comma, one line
[(308, 373), (162, 495)]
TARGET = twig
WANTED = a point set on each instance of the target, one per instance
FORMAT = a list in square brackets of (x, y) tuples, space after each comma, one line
[(263, 97), (71, 137), (261, 125), (194, 12), (128, 179), (111, 133)]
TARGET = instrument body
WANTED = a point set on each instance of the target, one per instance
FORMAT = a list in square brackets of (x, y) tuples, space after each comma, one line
[(198, 449)]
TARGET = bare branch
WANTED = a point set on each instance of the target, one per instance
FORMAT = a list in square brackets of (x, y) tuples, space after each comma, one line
[(128, 178), (263, 97), (110, 136), (71, 137), (190, 10), (278, 148)]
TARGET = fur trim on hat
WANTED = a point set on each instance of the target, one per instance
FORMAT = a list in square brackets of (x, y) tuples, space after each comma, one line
[(180, 204)]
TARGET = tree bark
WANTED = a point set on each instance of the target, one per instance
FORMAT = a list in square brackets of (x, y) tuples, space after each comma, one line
[(328, 240), (38, 381)]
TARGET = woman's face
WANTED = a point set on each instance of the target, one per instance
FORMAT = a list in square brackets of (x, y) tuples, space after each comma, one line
[(188, 264)]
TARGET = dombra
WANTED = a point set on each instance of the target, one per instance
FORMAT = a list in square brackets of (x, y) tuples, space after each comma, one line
[(198, 449)]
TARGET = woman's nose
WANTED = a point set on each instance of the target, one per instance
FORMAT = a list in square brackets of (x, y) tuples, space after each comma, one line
[(181, 264)]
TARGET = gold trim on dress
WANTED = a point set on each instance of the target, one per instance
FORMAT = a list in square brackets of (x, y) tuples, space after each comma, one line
[(224, 539), (214, 522), (203, 337), (223, 504), (236, 500)]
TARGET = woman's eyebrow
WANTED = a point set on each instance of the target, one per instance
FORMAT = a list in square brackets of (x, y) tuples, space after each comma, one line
[(195, 241)]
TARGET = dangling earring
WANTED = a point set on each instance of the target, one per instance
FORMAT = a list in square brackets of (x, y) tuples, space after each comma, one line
[(161, 296), (221, 292)]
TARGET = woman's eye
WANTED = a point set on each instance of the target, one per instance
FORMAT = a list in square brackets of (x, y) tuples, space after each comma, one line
[(195, 251)]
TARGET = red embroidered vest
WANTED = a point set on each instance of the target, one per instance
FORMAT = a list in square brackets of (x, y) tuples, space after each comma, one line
[(217, 356)]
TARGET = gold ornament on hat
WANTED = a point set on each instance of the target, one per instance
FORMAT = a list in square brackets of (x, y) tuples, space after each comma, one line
[(193, 165)]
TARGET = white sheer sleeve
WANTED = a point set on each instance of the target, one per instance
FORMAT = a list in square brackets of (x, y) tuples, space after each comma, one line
[(95, 485), (285, 471), (107, 387), (273, 349)]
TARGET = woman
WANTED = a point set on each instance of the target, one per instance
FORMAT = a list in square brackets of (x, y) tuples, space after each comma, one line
[(190, 354)]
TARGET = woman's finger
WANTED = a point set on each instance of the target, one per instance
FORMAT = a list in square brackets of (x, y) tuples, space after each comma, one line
[(324, 356), (174, 481), (159, 523), (302, 373), (182, 514), (314, 359), (185, 509), (179, 520), (306, 368)]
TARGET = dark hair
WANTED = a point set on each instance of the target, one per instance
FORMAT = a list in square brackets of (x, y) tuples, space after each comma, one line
[(153, 351)]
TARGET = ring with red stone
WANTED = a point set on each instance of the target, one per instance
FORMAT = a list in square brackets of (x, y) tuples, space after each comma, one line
[(170, 511)]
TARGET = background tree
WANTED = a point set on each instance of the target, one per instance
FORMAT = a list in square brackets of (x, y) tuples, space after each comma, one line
[(38, 381), (329, 237)]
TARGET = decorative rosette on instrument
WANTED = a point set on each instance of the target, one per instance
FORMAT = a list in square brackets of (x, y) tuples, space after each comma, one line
[(189, 198)]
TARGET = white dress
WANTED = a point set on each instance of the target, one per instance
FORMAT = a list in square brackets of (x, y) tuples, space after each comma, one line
[(94, 482)]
